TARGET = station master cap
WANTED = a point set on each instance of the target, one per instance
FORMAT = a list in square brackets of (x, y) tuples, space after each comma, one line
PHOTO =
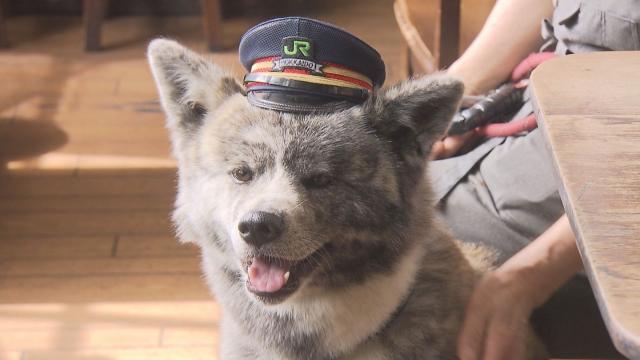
[(302, 65)]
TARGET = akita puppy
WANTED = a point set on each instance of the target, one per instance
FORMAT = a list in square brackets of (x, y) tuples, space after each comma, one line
[(317, 231)]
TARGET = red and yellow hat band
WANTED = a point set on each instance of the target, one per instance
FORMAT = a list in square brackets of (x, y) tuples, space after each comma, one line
[(311, 72)]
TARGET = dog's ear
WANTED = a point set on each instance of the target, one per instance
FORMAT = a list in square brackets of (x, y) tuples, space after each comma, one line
[(414, 114), (189, 85)]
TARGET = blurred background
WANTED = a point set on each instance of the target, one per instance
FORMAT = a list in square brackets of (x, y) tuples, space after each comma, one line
[(89, 267)]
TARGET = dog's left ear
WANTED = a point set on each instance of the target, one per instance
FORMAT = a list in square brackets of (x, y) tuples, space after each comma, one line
[(414, 114)]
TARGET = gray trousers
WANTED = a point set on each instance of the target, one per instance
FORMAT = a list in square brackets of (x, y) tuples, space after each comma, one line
[(507, 200)]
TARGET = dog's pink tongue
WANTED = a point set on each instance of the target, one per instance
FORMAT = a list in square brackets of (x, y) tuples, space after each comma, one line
[(267, 276)]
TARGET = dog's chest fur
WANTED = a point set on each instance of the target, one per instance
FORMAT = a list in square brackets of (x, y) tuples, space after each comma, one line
[(413, 313)]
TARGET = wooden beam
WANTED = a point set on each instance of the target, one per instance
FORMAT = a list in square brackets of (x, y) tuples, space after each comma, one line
[(212, 23), (4, 42), (94, 12), (449, 32)]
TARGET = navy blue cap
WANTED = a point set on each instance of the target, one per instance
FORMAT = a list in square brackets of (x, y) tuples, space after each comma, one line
[(303, 65)]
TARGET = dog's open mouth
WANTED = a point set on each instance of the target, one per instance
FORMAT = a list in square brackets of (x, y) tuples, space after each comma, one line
[(268, 275), (273, 279)]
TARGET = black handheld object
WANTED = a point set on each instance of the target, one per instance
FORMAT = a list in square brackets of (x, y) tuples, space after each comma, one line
[(501, 101)]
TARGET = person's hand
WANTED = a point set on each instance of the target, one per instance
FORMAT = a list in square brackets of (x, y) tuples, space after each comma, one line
[(497, 318), (452, 145)]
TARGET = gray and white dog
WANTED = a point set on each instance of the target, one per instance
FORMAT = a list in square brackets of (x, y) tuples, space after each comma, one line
[(317, 231)]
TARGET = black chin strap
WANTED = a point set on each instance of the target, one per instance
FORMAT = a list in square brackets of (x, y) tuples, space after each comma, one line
[(296, 102), (289, 95)]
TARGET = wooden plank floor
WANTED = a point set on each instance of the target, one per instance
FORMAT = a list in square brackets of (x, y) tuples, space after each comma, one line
[(89, 268)]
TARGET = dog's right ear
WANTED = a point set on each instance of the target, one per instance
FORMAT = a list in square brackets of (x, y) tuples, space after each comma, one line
[(189, 85)]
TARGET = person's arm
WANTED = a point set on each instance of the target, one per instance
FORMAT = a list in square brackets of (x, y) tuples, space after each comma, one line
[(498, 312), (511, 32)]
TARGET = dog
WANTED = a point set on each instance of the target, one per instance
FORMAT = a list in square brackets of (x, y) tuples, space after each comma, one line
[(317, 231)]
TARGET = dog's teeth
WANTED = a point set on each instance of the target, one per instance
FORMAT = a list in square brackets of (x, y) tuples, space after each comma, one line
[(286, 276)]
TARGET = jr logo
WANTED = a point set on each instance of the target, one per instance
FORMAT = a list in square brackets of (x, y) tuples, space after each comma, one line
[(301, 46)]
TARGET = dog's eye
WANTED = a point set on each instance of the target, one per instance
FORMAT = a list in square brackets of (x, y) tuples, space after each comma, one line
[(319, 180), (242, 174)]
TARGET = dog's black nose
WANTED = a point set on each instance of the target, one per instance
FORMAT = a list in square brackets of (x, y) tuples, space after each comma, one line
[(259, 227)]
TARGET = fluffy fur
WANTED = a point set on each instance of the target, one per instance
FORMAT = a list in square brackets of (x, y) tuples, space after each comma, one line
[(376, 276)]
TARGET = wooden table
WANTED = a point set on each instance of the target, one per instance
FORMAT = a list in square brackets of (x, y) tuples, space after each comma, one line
[(588, 107)]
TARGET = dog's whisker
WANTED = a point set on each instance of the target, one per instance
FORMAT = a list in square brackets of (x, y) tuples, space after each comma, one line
[(299, 204)]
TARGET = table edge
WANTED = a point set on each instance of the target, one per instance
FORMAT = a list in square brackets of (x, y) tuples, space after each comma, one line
[(626, 342)]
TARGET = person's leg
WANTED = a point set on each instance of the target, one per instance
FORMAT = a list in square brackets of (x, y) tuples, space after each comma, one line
[(570, 324), (469, 214)]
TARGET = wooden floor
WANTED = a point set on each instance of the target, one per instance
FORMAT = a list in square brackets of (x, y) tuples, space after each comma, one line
[(89, 268)]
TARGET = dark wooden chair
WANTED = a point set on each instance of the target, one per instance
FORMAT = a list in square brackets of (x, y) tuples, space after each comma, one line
[(94, 12), (432, 32)]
